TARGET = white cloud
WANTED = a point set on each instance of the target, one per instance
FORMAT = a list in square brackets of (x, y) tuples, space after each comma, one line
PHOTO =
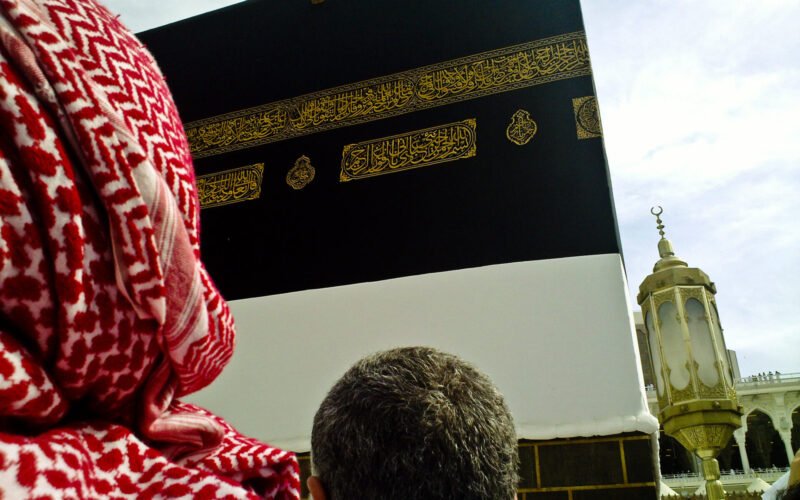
[(141, 15), (699, 103)]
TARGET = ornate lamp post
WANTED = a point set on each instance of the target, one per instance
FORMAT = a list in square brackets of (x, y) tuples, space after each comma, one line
[(694, 382)]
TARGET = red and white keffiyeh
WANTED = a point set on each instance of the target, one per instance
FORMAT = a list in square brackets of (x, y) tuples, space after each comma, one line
[(106, 312)]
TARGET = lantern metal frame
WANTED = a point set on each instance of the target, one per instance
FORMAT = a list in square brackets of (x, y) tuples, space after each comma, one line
[(701, 417)]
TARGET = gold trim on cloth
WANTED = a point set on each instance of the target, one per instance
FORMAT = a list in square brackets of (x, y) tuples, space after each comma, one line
[(420, 148), (525, 65), (230, 186)]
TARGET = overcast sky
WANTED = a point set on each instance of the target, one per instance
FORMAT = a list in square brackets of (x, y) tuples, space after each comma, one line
[(700, 102)]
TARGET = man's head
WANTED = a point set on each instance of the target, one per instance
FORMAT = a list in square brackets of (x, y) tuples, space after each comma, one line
[(413, 423)]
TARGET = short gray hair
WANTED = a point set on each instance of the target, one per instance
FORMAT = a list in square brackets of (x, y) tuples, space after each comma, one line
[(414, 423)]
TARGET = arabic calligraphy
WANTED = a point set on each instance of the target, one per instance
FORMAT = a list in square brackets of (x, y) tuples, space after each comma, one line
[(350, 104), (522, 128), (420, 148), (301, 174), (505, 70), (533, 63), (587, 117), (230, 186)]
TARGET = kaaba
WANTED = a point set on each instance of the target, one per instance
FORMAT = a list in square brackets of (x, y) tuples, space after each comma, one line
[(375, 174)]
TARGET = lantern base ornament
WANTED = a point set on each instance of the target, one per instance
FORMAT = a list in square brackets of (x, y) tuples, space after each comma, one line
[(704, 428)]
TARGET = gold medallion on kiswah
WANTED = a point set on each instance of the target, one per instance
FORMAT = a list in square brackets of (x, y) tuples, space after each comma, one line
[(522, 128)]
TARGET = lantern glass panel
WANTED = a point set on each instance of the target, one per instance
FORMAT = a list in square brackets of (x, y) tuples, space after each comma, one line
[(675, 356), (702, 344), (655, 352), (726, 369)]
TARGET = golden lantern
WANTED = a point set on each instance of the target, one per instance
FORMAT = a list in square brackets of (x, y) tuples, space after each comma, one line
[(694, 380)]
